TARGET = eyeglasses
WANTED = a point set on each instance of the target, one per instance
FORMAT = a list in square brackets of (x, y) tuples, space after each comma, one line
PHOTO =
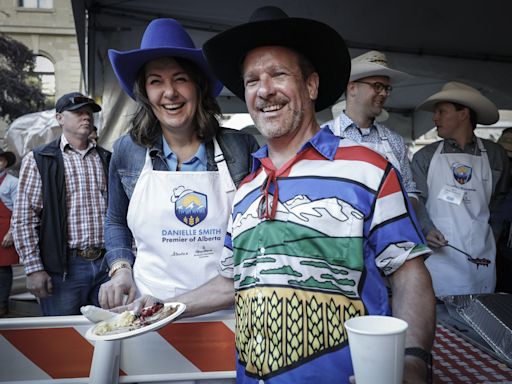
[(377, 87)]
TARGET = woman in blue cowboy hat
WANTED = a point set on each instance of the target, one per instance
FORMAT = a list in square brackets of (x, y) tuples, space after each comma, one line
[(173, 176)]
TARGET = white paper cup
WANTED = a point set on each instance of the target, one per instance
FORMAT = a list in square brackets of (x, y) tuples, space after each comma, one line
[(377, 348)]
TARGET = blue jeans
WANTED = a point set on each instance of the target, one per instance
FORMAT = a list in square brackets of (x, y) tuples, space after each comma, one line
[(5, 286), (80, 287)]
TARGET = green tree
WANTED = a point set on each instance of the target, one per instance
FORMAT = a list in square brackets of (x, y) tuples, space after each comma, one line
[(20, 89)]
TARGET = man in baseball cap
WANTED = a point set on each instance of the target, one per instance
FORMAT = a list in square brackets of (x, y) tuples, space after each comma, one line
[(462, 180), (73, 101), (60, 210)]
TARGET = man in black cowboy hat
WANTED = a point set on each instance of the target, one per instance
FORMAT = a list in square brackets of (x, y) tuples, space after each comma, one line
[(59, 212), (316, 223), (8, 255)]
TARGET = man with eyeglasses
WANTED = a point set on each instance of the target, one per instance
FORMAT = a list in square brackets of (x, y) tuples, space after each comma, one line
[(367, 91), (59, 212)]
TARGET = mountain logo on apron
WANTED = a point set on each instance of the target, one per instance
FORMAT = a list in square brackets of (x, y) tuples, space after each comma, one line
[(191, 208), (462, 173)]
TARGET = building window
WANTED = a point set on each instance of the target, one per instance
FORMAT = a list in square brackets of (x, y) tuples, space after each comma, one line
[(45, 71), (43, 4)]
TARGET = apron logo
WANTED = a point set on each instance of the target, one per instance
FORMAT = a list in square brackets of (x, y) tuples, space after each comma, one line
[(191, 207), (462, 173)]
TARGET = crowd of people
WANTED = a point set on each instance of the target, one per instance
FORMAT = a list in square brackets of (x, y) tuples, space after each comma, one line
[(321, 224)]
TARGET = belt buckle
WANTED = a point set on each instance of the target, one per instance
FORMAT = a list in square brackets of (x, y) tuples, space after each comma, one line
[(91, 254)]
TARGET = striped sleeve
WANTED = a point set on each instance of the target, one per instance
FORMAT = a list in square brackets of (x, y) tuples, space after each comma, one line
[(394, 233)]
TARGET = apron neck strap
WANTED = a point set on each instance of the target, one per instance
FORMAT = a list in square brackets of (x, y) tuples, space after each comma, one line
[(480, 144), (222, 166), (218, 156), (382, 134), (148, 163), (336, 127)]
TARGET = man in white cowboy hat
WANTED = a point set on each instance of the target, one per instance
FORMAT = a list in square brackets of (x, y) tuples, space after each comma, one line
[(318, 221), (59, 212), (462, 178), (369, 86)]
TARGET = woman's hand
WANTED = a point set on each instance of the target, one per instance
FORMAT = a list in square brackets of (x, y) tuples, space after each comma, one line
[(119, 290)]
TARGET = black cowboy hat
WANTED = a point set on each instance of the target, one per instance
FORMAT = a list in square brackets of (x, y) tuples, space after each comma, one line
[(269, 25), (9, 156)]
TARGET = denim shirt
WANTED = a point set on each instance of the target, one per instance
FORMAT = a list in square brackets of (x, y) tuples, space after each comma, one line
[(126, 165)]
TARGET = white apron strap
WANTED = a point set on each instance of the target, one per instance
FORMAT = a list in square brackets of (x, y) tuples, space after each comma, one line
[(382, 134), (336, 127), (225, 176), (486, 166), (148, 163)]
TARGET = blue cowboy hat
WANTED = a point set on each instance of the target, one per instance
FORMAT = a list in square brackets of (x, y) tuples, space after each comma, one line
[(270, 25), (162, 38)]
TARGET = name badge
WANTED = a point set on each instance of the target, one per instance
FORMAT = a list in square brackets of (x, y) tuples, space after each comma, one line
[(451, 195)]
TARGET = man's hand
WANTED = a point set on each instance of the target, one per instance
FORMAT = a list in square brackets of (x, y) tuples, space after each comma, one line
[(112, 293), (8, 240), (39, 284), (435, 239)]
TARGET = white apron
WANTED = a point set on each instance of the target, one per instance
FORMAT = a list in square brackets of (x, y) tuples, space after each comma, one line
[(178, 221), (383, 146), (464, 225)]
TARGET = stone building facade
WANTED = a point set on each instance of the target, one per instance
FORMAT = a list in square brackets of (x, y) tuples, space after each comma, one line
[(47, 28)]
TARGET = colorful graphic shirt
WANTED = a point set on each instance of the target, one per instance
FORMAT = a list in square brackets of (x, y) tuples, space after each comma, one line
[(306, 247)]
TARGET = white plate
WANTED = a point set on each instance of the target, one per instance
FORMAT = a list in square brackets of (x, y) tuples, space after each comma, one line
[(91, 335)]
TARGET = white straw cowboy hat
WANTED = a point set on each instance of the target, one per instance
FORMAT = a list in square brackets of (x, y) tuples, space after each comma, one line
[(340, 106), (486, 111), (374, 63)]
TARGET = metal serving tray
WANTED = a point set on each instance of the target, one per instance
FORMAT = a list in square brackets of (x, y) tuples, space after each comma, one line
[(490, 315)]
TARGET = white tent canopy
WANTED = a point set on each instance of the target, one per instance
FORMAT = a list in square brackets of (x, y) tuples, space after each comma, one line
[(436, 41)]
